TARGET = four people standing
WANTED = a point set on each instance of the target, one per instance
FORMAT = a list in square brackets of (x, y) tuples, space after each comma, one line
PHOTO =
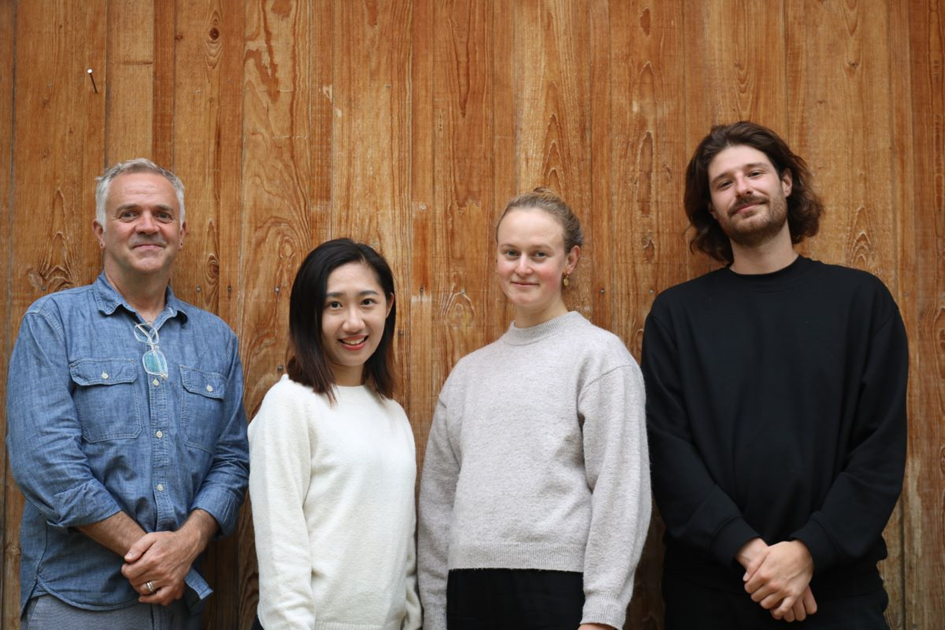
[(775, 403)]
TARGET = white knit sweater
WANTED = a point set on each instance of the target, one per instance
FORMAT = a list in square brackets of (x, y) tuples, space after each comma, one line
[(332, 491), (537, 459)]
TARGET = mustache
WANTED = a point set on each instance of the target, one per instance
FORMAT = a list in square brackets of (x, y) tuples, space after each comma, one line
[(747, 201)]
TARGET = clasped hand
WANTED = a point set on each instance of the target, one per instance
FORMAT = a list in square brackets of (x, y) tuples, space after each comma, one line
[(778, 578), (163, 559)]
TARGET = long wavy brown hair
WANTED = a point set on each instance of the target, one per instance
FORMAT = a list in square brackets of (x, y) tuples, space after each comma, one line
[(804, 207)]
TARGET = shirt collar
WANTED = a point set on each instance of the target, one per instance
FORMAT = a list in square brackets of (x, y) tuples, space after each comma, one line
[(108, 301)]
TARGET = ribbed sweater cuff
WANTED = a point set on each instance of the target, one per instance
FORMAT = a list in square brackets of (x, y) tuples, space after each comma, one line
[(599, 609), (730, 539), (434, 618), (818, 543)]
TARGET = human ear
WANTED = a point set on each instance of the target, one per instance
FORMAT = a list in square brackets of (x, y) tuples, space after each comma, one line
[(787, 182), (99, 231), (573, 256)]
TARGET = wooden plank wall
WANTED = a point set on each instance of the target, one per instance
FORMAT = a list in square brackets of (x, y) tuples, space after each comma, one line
[(409, 123)]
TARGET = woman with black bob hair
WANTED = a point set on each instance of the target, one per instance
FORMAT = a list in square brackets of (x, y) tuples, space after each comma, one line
[(332, 458)]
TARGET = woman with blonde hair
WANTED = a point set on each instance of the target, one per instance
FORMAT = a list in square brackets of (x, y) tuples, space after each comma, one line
[(535, 495)]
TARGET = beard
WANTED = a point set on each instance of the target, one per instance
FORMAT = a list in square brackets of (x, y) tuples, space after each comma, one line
[(757, 230)]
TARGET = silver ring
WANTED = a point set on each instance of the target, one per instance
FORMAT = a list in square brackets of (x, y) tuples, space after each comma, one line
[(149, 586)]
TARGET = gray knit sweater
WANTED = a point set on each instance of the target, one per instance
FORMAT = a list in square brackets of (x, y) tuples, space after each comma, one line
[(537, 459)]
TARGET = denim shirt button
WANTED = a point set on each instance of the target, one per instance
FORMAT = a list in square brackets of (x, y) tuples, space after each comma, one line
[(209, 388), (159, 434), (105, 376), (156, 382), (160, 487)]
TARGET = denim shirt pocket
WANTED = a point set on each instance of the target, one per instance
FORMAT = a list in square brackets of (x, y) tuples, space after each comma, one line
[(106, 399), (202, 407)]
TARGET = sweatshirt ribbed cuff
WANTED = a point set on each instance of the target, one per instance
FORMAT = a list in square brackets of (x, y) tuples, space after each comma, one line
[(818, 543), (730, 539), (605, 610), (434, 618)]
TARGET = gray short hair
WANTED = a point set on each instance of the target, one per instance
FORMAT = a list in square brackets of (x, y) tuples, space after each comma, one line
[(136, 165)]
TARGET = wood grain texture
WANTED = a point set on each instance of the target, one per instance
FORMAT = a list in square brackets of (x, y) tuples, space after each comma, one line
[(8, 492), (164, 32), (410, 123), (505, 181), (851, 168), (598, 220), (924, 523), (127, 80), (464, 197), (699, 111), (903, 203), (419, 391)]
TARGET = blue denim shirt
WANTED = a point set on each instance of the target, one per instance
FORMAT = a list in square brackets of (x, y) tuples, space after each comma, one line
[(91, 434)]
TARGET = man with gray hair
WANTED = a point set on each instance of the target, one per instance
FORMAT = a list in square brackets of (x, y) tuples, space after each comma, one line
[(127, 433)]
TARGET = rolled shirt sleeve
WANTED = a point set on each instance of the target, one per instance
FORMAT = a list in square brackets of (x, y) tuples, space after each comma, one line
[(44, 432)]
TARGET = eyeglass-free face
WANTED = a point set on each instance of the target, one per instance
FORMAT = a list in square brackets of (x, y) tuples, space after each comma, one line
[(353, 320), (142, 232), (530, 263)]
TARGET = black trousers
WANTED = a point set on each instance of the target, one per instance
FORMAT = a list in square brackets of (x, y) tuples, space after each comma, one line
[(692, 606), (491, 599)]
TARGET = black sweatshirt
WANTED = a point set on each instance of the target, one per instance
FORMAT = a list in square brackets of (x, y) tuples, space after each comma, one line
[(776, 407)]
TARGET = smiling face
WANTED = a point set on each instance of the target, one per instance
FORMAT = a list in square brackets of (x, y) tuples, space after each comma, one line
[(531, 263), (749, 198), (353, 319), (142, 233)]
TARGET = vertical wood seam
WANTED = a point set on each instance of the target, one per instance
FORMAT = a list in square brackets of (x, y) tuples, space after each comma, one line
[(7, 297), (173, 129), (903, 599), (106, 87)]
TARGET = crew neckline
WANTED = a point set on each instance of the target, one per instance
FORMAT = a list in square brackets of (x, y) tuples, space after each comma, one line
[(775, 280), (522, 336)]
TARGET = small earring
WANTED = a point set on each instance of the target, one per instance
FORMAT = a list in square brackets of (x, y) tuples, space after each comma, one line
[(565, 281)]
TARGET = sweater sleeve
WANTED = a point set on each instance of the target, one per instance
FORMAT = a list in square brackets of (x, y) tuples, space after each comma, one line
[(280, 474), (414, 617), (863, 495), (618, 475), (437, 492), (696, 511)]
